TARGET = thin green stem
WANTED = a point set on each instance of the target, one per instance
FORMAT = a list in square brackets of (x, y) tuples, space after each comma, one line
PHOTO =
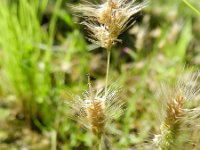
[(192, 7), (53, 21), (53, 140), (107, 71), (100, 145)]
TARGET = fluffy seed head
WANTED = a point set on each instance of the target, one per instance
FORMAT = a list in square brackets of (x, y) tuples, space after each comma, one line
[(94, 112), (99, 34), (113, 17), (176, 113)]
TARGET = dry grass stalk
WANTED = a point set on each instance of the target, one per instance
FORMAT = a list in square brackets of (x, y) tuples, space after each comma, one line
[(176, 112)]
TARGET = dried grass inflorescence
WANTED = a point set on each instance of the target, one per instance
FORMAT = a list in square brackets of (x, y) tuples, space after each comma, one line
[(177, 117), (94, 112), (105, 22)]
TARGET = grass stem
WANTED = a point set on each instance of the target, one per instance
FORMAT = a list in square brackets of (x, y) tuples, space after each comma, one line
[(100, 145), (107, 71), (192, 7)]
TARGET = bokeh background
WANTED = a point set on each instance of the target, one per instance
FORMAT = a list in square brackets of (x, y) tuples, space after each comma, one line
[(44, 54)]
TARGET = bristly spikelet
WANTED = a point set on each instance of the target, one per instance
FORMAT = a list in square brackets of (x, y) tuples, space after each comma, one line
[(94, 112), (176, 113), (99, 35), (107, 21)]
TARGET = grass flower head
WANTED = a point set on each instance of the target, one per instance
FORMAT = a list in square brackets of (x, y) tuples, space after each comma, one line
[(176, 112), (112, 16), (94, 112)]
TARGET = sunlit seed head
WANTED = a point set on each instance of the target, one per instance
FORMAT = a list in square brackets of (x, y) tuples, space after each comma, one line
[(176, 114), (113, 17), (94, 112)]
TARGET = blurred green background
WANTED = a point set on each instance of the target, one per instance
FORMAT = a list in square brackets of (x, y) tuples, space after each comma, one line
[(44, 54)]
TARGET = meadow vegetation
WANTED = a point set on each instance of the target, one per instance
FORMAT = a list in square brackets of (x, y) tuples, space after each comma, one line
[(137, 88)]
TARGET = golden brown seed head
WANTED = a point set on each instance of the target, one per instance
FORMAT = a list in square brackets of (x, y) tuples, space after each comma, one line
[(94, 112), (176, 114), (174, 110), (97, 117), (113, 17)]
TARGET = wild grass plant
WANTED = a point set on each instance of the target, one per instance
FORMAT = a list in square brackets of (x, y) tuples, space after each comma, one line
[(179, 119), (28, 62), (43, 55), (25, 64), (105, 22)]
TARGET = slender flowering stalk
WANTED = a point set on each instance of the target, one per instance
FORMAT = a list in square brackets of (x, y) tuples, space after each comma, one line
[(107, 72), (176, 111), (106, 21)]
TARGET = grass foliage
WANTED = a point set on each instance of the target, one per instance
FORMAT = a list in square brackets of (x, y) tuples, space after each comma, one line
[(44, 54)]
